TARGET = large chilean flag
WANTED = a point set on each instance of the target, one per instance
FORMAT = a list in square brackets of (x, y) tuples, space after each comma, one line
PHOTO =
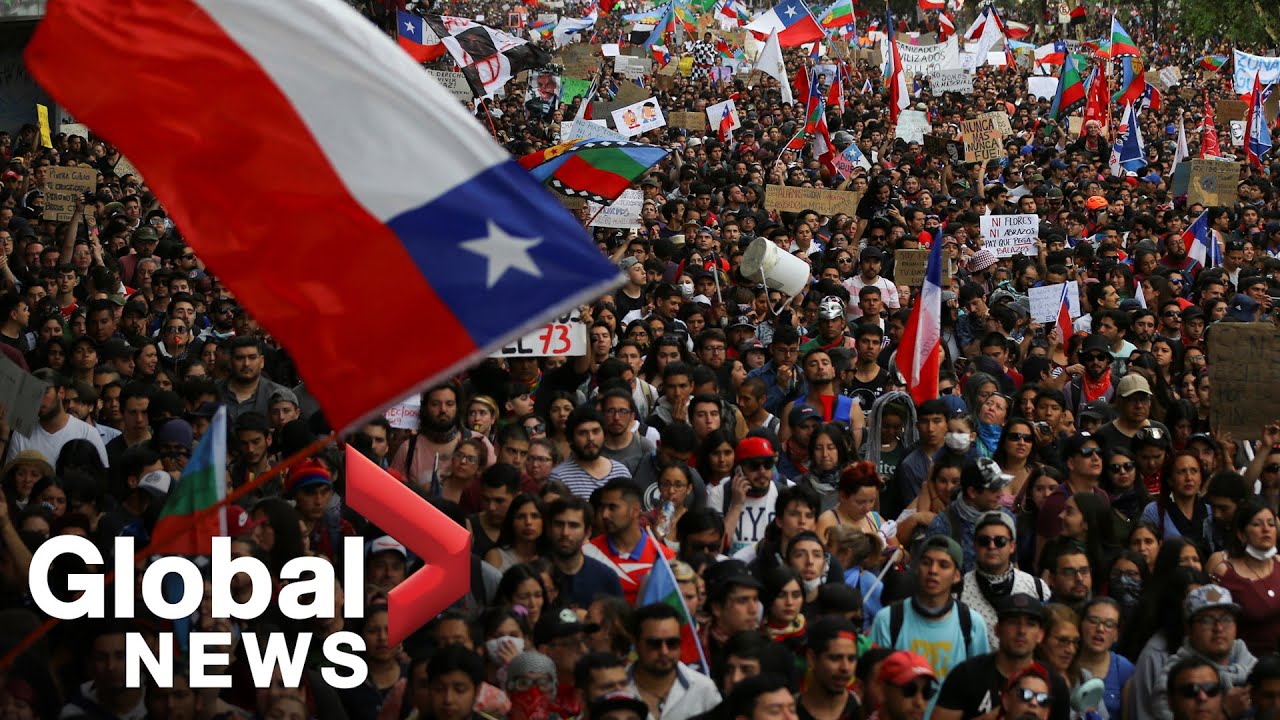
[(920, 352), (348, 200)]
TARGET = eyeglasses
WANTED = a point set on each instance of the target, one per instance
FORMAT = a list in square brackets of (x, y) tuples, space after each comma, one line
[(757, 464), (617, 411), (671, 643), (927, 688), (1070, 572), (538, 458), (1121, 467), (992, 540), (1214, 620), (947, 390), (1021, 437), (1191, 691), (466, 459), (1027, 695), (1089, 451)]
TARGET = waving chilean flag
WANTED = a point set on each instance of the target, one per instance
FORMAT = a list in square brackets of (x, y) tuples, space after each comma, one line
[(920, 352), (353, 206)]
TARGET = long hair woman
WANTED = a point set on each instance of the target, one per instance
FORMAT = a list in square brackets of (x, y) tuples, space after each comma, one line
[(1248, 570)]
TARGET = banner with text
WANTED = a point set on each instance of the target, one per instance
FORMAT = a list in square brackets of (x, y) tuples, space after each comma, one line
[(1010, 235)]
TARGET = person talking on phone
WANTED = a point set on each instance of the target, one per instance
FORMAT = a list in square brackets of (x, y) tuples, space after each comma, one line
[(749, 509)]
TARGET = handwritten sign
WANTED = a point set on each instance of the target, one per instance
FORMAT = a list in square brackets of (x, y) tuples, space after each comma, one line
[(621, 213), (1010, 235), (1213, 182), (589, 129), (1046, 299), (65, 185), (912, 125), (1244, 372), (42, 115), (564, 337), (928, 59), (824, 202), (960, 81), (909, 267), (404, 414), (632, 67), (455, 83), (21, 392), (691, 121), (982, 138), (1231, 110)]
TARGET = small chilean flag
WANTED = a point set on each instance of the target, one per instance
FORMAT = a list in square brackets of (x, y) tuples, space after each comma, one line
[(1064, 317), (358, 184), (920, 352), (417, 38)]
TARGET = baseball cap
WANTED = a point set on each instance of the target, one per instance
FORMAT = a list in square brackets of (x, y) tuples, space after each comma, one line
[(385, 543), (996, 517), (306, 474), (1209, 597), (1072, 445), (802, 413), (628, 262), (1098, 409), (557, 625), (156, 482), (1019, 604), (947, 545), (984, 474), (239, 521), (903, 666), (1132, 384), (753, 447), (620, 700), (1096, 202)]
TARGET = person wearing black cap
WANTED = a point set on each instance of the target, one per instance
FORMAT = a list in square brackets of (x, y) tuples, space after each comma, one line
[(973, 688), (562, 637), (981, 484), (733, 602), (870, 261), (1097, 382)]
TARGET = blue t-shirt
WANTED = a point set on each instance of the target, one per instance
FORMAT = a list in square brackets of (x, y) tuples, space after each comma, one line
[(938, 641), (592, 579)]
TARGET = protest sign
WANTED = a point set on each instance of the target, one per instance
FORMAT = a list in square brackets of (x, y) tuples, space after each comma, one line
[(639, 118), (566, 336), (851, 158), (912, 125), (629, 93), (824, 202), (691, 121), (1237, 133), (928, 59), (1213, 182), (1046, 299), (958, 80), (404, 414), (1171, 76), (20, 392), (1153, 79), (621, 213), (982, 138), (610, 50), (715, 113), (632, 67), (595, 129), (571, 202), (573, 88), (1042, 87), (686, 65), (909, 267), (578, 60), (75, 129), (942, 146), (1246, 66), (65, 184), (635, 52), (969, 62), (454, 82), (1231, 110), (996, 58), (1244, 372), (1010, 235)]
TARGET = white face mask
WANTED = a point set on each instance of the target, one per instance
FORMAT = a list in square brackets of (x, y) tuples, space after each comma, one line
[(1257, 554), (493, 646), (686, 289), (958, 441)]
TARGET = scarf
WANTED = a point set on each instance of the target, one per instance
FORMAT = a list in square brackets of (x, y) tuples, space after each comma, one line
[(786, 632), (1094, 389), (824, 481), (988, 438), (994, 586), (929, 613), (968, 513)]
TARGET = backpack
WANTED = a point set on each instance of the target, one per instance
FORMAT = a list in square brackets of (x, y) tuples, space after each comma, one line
[(898, 616)]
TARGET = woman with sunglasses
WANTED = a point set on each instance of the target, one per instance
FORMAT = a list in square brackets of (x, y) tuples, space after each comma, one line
[(1180, 512), (1248, 569), (1099, 630), (1120, 480), (1016, 455)]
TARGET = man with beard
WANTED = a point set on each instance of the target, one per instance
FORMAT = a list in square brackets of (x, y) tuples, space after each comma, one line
[(1096, 382), (975, 686), (55, 427), (832, 654), (823, 394), (620, 443), (438, 434), (995, 578), (670, 688), (579, 578), (1175, 256), (626, 547), (587, 470), (1144, 328), (246, 389)]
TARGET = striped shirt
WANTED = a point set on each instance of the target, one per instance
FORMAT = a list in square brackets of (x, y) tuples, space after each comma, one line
[(582, 483)]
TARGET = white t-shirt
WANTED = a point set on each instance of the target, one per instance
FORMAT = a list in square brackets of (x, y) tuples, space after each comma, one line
[(757, 514), (51, 445)]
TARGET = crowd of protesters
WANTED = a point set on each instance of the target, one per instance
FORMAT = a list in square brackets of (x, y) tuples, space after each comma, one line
[(1060, 533)]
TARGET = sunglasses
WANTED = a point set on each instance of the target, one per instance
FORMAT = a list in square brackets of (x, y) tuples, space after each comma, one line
[(1089, 451), (671, 643), (947, 390), (992, 540), (928, 689), (1027, 695), (1021, 437), (757, 464), (1192, 691), (1272, 467), (1093, 357), (710, 548), (1172, 315), (1121, 467)]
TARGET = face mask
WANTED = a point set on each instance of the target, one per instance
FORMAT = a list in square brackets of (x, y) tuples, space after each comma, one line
[(958, 441), (1257, 554), (686, 290), (1125, 589), (493, 647)]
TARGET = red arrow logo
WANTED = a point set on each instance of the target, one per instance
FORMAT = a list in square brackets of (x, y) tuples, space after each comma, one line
[(406, 516)]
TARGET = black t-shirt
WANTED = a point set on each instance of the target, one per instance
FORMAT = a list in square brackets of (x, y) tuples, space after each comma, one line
[(973, 687), (867, 392), (850, 711)]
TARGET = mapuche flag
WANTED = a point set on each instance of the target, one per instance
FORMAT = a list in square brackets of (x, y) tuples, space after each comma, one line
[(186, 526)]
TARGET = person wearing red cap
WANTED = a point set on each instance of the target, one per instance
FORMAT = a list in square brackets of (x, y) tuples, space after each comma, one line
[(1028, 696), (909, 686), (753, 494)]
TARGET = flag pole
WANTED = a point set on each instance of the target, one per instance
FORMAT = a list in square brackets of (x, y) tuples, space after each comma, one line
[(43, 628)]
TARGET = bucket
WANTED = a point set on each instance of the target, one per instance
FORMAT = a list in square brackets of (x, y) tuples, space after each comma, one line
[(781, 270)]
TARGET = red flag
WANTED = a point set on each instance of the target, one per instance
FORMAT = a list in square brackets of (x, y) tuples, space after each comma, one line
[(1097, 104), (1064, 318), (1209, 132)]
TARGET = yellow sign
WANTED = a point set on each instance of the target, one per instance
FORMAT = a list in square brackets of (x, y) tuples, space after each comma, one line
[(46, 135)]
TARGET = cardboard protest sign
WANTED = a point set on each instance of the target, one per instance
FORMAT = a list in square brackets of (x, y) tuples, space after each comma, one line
[(20, 392), (629, 93), (594, 129), (565, 336), (578, 59), (1010, 235), (912, 125), (983, 140), (454, 82), (65, 184), (639, 118), (1213, 182), (1231, 110), (927, 59), (573, 88), (691, 121), (1171, 76), (1046, 299), (404, 414), (621, 213), (942, 146), (715, 113), (1244, 372), (909, 267), (824, 202), (958, 80), (1042, 87), (632, 67)]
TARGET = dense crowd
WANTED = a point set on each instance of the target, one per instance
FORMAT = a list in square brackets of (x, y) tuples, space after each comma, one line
[(1059, 533)]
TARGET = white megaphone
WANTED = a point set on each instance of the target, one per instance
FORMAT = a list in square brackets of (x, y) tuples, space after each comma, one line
[(778, 270)]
